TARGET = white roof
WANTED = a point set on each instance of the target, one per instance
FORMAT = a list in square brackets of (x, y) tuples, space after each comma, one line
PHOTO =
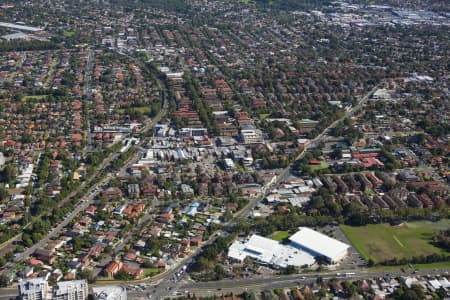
[(19, 27), (269, 252), (435, 284), (444, 282), (409, 281), (319, 243)]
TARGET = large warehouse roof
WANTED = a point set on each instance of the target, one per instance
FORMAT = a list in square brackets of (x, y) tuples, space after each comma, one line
[(319, 243), (19, 27), (269, 252)]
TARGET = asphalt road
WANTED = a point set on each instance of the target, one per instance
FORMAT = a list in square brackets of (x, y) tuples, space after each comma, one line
[(260, 283), (82, 205), (30, 250), (169, 288)]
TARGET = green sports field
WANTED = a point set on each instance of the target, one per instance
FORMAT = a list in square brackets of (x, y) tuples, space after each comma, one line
[(383, 242)]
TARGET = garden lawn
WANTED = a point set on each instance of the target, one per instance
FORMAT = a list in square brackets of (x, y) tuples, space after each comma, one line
[(323, 165), (152, 272), (69, 33), (141, 110), (280, 235), (438, 265), (33, 98), (382, 242)]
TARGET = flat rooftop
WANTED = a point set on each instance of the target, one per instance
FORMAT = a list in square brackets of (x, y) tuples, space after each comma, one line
[(319, 243), (270, 252), (20, 27)]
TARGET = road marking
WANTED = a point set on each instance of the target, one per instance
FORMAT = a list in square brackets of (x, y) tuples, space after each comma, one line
[(398, 242), (229, 286)]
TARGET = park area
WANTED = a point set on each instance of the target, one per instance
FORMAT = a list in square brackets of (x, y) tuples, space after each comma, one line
[(381, 242)]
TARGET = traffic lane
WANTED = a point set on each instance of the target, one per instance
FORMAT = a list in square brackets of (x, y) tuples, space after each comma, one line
[(54, 231), (302, 278), (259, 284)]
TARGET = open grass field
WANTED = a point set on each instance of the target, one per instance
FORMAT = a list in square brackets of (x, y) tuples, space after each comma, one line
[(383, 242), (142, 110), (33, 98), (69, 33), (280, 235), (438, 265), (323, 165)]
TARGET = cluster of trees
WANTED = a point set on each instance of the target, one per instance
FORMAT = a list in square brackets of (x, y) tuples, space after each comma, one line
[(391, 162), (346, 168), (275, 162), (303, 166), (123, 275), (9, 174), (442, 239), (139, 109), (207, 260), (36, 231), (179, 6), (205, 112), (24, 45), (4, 195), (292, 4), (79, 243), (4, 281), (68, 78), (286, 222), (347, 130), (44, 168), (95, 158), (422, 259), (414, 293), (273, 127), (154, 246), (8, 232), (121, 160), (434, 128)]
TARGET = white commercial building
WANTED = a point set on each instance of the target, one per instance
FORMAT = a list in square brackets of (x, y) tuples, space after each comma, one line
[(33, 289), (251, 135), (318, 244), (24, 178), (269, 252), (110, 292), (71, 290), (20, 27), (228, 164)]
